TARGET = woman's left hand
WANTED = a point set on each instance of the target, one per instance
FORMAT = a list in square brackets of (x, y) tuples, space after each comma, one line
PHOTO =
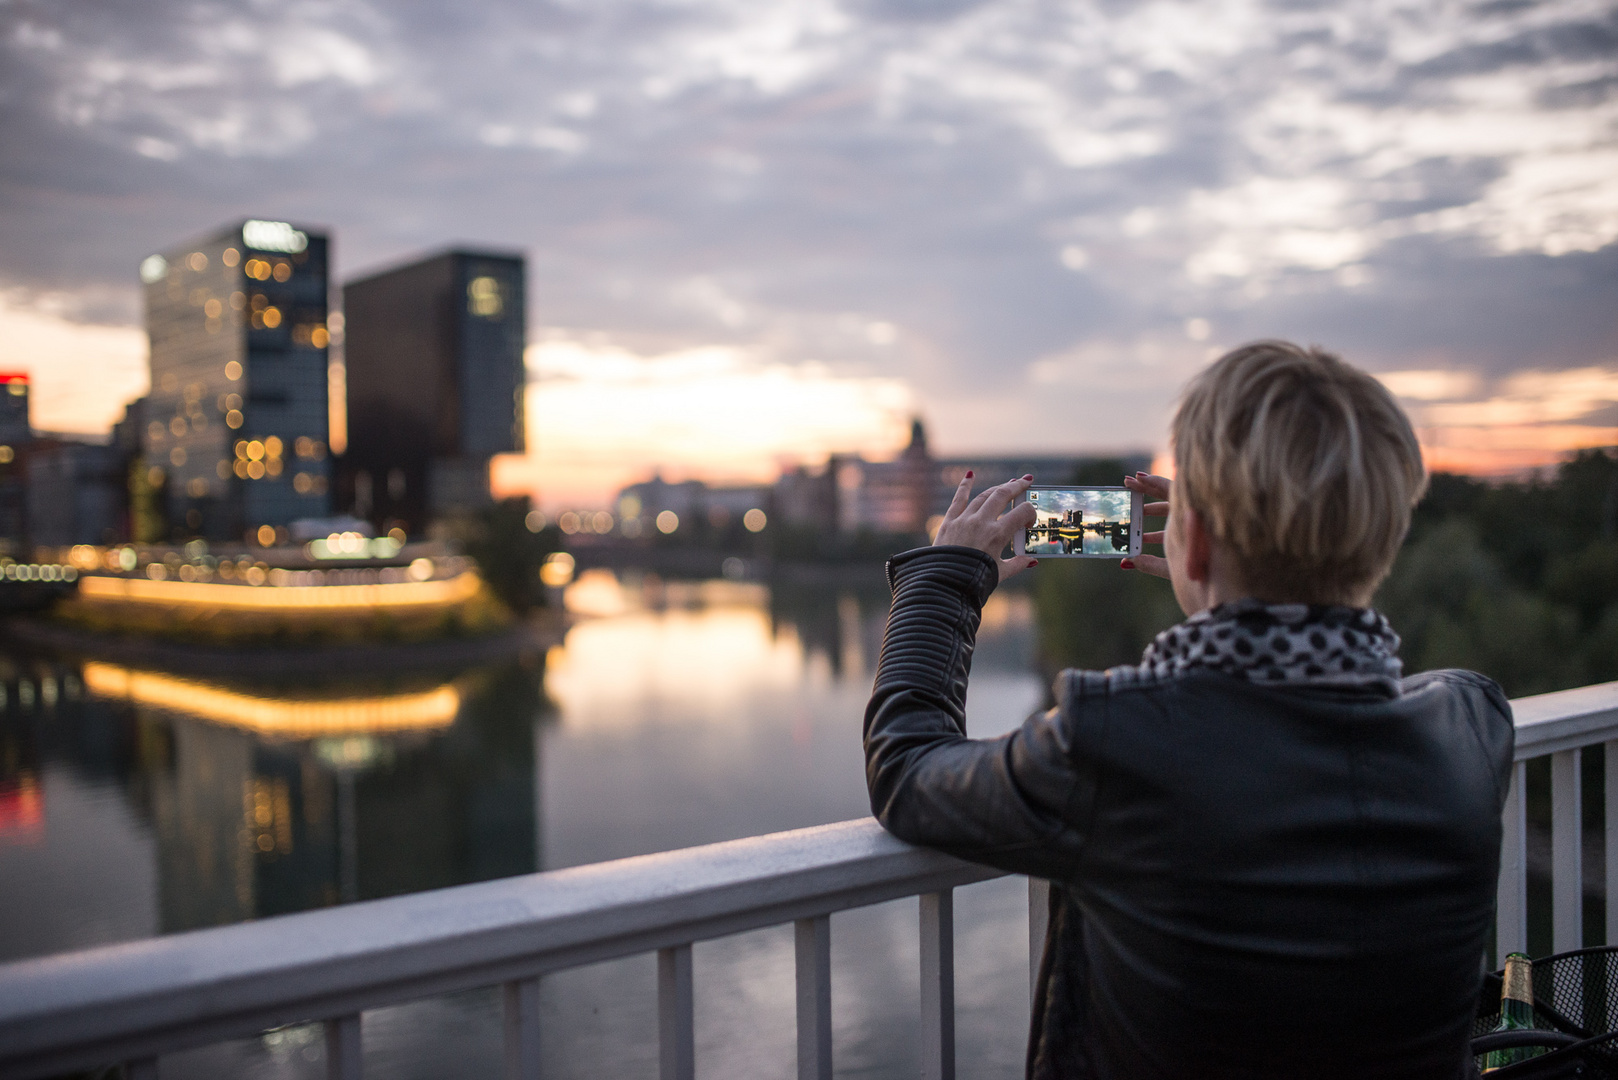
[(982, 523)]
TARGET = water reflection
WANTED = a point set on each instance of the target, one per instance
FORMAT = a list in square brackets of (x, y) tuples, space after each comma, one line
[(135, 802)]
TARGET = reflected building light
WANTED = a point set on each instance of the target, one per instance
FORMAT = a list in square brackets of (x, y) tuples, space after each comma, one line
[(301, 718), (22, 808), (558, 570)]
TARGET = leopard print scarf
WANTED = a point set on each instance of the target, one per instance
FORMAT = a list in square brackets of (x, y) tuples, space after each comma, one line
[(1284, 644)]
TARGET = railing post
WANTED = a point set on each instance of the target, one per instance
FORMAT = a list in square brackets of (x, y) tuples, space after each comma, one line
[(343, 1050), (141, 1069), (676, 1017), (522, 1029), (1511, 896), (814, 997), (1039, 917), (1567, 852), (938, 985), (1611, 785)]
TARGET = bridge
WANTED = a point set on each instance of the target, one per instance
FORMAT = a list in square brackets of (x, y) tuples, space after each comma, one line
[(133, 1002)]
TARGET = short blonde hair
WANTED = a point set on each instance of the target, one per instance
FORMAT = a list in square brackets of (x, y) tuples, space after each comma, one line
[(1305, 467)]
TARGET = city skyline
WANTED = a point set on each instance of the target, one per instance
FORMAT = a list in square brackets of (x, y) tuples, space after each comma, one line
[(757, 235)]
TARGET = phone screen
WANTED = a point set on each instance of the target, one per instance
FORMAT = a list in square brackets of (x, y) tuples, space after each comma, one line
[(1083, 523)]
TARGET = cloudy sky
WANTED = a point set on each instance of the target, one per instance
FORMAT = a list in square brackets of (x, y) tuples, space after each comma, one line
[(759, 231)]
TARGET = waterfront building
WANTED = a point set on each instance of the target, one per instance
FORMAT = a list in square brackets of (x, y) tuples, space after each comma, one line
[(236, 421), (886, 496), (76, 493), (434, 362), (15, 436)]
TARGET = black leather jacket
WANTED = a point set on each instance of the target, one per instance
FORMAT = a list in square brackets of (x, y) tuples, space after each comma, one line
[(1247, 881)]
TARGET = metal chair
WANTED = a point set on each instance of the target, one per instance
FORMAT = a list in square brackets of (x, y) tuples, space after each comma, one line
[(1575, 1018)]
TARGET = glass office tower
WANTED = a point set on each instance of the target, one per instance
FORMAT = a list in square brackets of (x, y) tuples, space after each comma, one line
[(434, 355), (235, 432)]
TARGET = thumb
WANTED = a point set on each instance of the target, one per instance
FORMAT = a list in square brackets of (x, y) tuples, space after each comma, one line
[(1016, 565)]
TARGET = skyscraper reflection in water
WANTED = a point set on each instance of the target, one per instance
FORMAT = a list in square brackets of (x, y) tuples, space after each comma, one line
[(366, 791)]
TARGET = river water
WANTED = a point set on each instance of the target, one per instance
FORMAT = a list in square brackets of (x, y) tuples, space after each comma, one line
[(135, 803)]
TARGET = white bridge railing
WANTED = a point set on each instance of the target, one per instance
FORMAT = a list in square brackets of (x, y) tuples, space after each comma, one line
[(130, 1003)]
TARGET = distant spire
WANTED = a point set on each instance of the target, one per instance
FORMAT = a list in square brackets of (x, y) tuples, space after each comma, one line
[(918, 435)]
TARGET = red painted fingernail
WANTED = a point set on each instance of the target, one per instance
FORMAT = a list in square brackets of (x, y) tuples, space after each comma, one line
[(1033, 562), (1028, 476), (1127, 564), (969, 474)]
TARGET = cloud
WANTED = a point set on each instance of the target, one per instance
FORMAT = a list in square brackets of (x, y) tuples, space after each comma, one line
[(86, 396), (1521, 421), (1009, 187)]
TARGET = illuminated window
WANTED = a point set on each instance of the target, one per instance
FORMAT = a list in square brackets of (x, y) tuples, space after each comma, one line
[(196, 487), (255, 470), (273, 446), (754, 520), (152, 269), (274, 236), (231, 257), (233, 370), (266, 537), (198, 261), (273, 466), (177, 456), (319, 338), (272, 317), (233, 401), (240, 469), (668, 521), (7, 455), (283, 271), (483, 297), (233, 419), (213, 309), (255, 451), (177, 425), (238, 300)]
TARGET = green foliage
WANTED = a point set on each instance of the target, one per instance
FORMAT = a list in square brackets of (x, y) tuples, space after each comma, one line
[(509, 556), (1518, 581), (1094, 615)]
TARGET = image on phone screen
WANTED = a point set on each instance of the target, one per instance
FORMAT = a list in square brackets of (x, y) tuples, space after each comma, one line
[(1093, 522)]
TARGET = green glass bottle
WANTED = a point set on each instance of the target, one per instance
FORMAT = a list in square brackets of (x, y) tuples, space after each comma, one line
[(1516, 1011)]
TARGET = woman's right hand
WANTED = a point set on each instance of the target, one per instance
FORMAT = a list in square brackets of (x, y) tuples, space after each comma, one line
[(1156, 488)]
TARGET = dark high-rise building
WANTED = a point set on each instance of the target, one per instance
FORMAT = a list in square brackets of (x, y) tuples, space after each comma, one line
[(15, 436), (236, 422), (434, 356)]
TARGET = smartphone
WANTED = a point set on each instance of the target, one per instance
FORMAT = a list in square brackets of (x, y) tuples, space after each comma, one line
[(1082, 523)]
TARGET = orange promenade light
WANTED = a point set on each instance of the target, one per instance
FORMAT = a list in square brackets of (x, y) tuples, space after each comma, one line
[(283, 598)]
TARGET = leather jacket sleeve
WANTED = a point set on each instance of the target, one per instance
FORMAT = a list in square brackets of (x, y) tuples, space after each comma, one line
[(1010, 802)]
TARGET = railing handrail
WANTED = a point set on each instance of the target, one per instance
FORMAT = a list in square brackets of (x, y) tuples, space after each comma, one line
[(118, 1002), (135, 1000), (1565, 719)]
